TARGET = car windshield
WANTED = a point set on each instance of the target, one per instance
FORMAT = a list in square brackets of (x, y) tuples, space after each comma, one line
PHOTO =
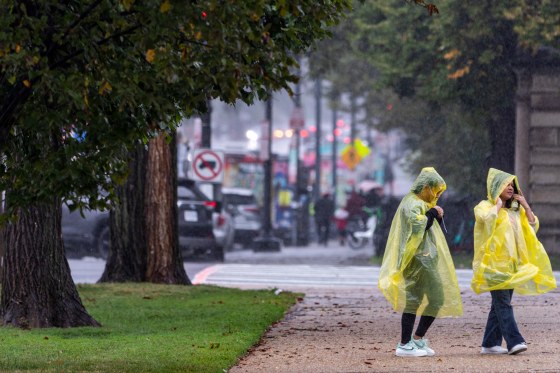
[(186, 193)]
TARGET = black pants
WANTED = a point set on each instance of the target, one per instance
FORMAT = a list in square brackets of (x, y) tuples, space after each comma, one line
[(407, 325), (323, 231)]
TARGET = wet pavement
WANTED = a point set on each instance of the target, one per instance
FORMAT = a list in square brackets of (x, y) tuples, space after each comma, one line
[(353, 329)]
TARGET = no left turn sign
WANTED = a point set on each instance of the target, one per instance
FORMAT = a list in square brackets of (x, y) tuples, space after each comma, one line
[(208, 165)]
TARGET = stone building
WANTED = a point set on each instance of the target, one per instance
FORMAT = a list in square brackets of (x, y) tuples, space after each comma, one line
[(537, 147)]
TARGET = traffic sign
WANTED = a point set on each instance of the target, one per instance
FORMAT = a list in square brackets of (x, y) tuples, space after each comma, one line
[(353, 154), (350, 157), (208, 165)]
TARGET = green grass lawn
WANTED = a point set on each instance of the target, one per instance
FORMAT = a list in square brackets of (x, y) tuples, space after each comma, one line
[(150, 328)]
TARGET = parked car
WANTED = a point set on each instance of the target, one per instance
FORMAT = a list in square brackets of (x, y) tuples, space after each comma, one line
[(203, 227), (242, 205), (85, 236)]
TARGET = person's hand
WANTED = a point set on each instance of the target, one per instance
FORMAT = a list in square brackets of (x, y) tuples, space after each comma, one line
[(440, 211), (522, 201)]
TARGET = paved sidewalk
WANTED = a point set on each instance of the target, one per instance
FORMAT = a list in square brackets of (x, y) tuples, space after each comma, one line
[(355, 330)]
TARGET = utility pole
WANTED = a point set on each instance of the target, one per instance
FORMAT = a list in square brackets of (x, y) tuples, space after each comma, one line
[(206, 129), (352, 119), (206, 142), (298, 226), (266, 241), (334, 152), (297, 102), (318, 93)]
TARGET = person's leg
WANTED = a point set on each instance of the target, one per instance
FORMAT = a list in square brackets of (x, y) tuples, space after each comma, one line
[(324, 237), (492, 333), (501, 301), (407, 325), (424, 325), (327, 231), (433, 289), (320, 231), (407, 347), (418, 338)]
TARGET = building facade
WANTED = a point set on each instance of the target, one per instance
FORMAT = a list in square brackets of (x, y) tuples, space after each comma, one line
[(537, 152)]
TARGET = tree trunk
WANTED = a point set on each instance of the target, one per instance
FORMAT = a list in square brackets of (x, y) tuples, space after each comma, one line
[(37, 288), (1, 235), (165, 264), (127, 259), (502, 137)]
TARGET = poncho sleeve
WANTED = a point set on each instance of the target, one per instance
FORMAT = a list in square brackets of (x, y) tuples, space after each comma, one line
[(414, 222)]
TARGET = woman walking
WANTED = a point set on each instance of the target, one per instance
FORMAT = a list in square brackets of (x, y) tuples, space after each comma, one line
[(507, 257), (417, 275)]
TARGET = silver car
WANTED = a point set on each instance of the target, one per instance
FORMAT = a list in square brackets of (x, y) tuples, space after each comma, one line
[(242, 205)]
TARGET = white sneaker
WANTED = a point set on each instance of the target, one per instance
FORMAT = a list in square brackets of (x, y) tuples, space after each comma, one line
[(518, 348), (422, 344), (496, 350), (409, 349)]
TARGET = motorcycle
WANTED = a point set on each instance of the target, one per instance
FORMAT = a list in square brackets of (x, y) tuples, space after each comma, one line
[(358, 239)]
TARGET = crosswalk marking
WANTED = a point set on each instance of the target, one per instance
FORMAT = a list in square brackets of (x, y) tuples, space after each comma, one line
[(304, 275)]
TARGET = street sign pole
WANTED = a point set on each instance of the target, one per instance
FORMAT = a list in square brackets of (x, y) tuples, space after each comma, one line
[(266, 241), (318, 163), (334, 155)]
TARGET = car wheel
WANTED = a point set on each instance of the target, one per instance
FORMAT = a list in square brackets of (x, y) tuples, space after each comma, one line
[(103, 242), (218, 253)]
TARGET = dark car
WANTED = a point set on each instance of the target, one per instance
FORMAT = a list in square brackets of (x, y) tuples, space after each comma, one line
[(203, 228), (85, 236), (196, 222)]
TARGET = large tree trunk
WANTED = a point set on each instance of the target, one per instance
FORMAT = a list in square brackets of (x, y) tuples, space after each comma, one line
[(37, 288), (502, 137), (1, 235), (165, 264), (127, 259)]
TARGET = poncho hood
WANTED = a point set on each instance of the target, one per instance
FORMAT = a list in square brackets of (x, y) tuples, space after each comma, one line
[(430, 179), (497, 181)]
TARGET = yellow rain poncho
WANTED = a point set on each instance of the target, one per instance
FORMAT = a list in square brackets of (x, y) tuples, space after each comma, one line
[(507, 253), (417, 274)]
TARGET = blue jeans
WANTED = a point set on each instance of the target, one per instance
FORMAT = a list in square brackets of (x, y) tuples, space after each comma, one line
[(501, 322)]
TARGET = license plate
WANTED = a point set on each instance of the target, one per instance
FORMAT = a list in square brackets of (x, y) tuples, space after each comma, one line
[(191, 215)]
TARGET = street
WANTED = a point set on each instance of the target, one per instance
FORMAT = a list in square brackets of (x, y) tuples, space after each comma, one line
[(244, 267), (292, 267)]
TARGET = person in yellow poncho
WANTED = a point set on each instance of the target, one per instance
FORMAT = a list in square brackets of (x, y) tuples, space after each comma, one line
[(417, 275), (507, 257)]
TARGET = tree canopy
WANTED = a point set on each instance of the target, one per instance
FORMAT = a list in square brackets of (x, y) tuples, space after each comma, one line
[(80, 82), (448, 80)]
